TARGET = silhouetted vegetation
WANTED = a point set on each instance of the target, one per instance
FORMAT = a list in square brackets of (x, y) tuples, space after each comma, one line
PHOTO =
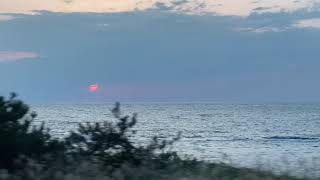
[(19, 139), (96, 151)]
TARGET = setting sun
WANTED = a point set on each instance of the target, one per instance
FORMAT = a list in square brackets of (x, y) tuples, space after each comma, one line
[(93, 87)]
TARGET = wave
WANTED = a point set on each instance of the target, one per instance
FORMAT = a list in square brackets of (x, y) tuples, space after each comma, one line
[(290, 138), (69, 116), (206, 115)]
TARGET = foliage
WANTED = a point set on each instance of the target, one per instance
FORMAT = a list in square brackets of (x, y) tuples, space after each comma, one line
[(106, 142), (110, 143), (19, 139)]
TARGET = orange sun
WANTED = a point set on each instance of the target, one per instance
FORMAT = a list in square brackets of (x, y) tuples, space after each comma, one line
[(93, 87)]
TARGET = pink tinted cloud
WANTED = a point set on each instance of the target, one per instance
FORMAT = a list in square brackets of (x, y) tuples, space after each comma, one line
[(6, 17), (11, 56)]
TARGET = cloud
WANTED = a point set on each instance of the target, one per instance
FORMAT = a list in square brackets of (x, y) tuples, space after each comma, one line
[(6, 18), (11, 56), (219, 7), (267, 29), (262, 8), (261, 30), (313, 23)]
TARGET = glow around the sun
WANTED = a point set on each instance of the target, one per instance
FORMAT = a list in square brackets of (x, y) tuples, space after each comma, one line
[(93, 87)]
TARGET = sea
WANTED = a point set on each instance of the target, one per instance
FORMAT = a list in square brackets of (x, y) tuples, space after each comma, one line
[(283, 138)]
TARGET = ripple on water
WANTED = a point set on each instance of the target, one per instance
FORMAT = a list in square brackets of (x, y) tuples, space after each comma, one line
[(290, 138), (241, 131)]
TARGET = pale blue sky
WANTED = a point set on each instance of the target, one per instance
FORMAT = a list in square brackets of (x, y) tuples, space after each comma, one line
[(161, 54)]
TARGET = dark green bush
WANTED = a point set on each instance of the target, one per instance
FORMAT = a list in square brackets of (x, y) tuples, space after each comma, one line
[(110, 143), (19, 139), (105, 142)]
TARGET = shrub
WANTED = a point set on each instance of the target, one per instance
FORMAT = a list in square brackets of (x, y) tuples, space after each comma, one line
[(110, 143), (19, 139), (106, 143)]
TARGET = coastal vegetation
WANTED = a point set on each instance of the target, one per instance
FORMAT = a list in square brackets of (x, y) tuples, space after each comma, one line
[(98, 151)]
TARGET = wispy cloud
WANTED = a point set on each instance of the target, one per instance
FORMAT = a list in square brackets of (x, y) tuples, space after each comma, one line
[(308, 23), (11, 56), (267, 29), (260, 30), (6, 17)]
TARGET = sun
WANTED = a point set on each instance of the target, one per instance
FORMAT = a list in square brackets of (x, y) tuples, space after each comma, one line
[(93, 88)]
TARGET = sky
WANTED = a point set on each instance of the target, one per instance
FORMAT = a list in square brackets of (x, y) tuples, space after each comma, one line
[(246, 51)]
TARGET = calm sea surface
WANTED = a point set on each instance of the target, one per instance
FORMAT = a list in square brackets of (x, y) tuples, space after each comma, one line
[(281, 138)]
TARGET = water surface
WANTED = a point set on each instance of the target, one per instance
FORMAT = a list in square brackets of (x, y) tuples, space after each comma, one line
[(278, 137)]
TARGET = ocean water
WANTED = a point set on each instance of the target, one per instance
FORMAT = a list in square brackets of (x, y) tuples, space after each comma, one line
[(284, 138)]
